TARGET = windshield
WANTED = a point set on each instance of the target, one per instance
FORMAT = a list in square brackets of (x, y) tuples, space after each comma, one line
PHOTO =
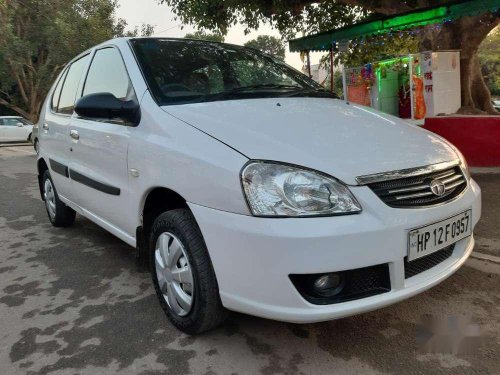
[(189, 71)]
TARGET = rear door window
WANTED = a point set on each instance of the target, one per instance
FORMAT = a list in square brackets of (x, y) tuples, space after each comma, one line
[(68, 93), (57, 92)]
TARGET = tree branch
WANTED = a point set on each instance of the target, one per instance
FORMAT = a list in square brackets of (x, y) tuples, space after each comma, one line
[(269, 8), (15, 108)]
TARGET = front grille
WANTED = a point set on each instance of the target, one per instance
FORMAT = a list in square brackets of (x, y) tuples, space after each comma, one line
[(357, 283), (416, 191), (427, 262)]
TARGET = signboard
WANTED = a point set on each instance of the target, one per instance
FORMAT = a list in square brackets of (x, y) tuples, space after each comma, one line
[(441, 82), (427, 76)]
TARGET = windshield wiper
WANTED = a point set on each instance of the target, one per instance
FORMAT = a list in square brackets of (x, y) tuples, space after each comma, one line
[(265, 86), (249, 90), (289, 90), (319, 93)]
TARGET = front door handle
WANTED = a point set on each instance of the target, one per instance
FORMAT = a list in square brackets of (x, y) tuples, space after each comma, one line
[(45, 126), (74, 134)]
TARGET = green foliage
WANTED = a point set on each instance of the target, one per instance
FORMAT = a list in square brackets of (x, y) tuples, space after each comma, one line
[(378, 48), (36, 44), (203, 35), (489, 57), (268, 44), (145, 30), (288, 17), (337, 83)]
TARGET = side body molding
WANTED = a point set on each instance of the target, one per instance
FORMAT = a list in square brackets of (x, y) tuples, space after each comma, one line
[(85, 180)]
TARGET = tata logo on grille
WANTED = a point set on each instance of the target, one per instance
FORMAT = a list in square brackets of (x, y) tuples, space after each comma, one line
[(437, 187)]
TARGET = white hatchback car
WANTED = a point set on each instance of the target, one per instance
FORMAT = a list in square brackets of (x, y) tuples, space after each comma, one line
[(247, 187), (15, 129)]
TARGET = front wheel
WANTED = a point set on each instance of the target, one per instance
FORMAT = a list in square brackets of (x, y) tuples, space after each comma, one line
[(59, 214), (182, 273), (36, 146)]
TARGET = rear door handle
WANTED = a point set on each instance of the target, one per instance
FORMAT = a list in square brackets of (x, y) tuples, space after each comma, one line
[(45, 126), (74, 134)]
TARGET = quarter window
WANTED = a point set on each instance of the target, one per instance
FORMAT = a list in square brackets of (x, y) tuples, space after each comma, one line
[(107, 74), (70, 86)]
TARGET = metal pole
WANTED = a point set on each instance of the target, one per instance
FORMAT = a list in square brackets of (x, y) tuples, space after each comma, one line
[(331, 69), (344, 84), (410, 72), (309, 65)]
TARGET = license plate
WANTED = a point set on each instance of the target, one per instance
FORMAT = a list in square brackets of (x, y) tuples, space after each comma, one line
[(433, 237)]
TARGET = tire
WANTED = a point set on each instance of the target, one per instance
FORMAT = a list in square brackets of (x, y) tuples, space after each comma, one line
[(59, 214), (36, 146), (179, 231), (29, 138)]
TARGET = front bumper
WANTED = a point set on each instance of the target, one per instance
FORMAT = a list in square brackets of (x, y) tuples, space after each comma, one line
[(253, 257)]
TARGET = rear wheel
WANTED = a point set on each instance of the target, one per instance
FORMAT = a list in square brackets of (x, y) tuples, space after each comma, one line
[(182, 273), (36, 146), (59, 214)]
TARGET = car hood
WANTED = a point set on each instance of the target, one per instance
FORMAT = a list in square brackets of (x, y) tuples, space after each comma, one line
[(331, 136)]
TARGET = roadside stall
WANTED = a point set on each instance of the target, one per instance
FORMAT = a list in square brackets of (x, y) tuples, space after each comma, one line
[(411, 87)]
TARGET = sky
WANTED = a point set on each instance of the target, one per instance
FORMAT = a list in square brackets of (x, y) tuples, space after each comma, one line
[(137, 12)]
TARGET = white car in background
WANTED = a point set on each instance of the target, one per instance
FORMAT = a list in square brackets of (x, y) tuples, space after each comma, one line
[(15, 129), (248, 187)]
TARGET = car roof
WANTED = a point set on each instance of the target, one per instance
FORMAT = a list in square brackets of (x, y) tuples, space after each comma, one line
[(11, 117)]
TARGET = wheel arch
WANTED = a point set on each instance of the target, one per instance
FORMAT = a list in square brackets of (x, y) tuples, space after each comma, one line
[(155, 201)]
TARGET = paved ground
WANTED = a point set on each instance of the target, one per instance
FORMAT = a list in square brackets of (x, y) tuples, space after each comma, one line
[(71, 301)]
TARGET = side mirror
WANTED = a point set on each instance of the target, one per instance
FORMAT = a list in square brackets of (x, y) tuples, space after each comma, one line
[(107, 106), (20, 124)]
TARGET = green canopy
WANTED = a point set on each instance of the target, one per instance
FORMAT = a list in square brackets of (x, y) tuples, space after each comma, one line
[(446, 12)]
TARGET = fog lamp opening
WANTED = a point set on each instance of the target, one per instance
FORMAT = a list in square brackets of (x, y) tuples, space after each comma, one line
[(341, 286)]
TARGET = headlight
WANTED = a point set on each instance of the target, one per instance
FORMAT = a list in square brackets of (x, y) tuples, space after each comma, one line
[(463, 164), (274, 189)]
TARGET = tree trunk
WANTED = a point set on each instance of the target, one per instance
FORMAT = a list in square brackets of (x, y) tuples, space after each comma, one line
[(466, 34), (480, 93)]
